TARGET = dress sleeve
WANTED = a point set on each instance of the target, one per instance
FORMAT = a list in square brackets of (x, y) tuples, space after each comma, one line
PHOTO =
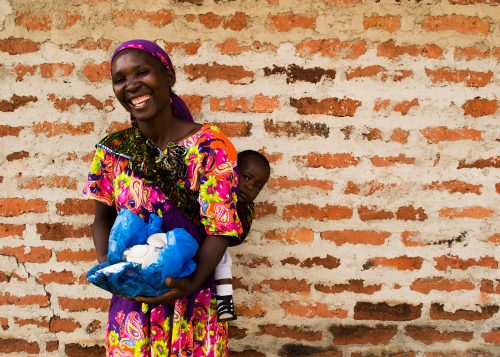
[(218, 182), (99, 184)]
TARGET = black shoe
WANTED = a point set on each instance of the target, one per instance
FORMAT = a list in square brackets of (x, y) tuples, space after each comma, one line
[(225, 308)]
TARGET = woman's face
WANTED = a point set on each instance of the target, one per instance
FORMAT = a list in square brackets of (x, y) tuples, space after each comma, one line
[(140, 83)]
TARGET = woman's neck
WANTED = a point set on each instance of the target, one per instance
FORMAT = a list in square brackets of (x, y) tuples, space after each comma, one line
[(166, 131)]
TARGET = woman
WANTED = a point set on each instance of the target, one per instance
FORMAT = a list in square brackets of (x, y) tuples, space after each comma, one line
[(164, 156)]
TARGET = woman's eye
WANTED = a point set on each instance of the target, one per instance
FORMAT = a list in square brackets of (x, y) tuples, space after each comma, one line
[(143, 72), (117, 80)]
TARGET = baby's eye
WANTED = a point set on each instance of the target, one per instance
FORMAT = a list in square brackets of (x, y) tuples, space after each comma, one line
[(245, 177)]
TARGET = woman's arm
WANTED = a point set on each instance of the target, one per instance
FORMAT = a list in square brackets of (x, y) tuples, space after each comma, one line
[(103, 221), (209, 255)]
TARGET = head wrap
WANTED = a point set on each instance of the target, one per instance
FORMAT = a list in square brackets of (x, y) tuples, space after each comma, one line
[(179, 108)]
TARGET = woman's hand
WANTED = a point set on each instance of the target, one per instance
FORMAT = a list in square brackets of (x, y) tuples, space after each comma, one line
[(179, 288)]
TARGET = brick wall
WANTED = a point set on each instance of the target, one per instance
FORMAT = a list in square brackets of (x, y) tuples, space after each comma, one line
[(376, 235)]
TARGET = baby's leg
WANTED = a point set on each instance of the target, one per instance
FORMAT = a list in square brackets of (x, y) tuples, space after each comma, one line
[(224, 289)]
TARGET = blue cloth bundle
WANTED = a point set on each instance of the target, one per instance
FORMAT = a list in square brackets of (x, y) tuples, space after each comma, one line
[(129, 279)]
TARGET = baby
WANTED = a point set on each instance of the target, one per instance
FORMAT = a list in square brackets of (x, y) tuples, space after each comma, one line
[(254, 172)]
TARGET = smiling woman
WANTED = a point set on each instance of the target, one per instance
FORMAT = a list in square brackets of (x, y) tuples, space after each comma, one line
[(164, 160)]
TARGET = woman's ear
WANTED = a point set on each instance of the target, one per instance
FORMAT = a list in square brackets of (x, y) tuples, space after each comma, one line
[(170, 78)]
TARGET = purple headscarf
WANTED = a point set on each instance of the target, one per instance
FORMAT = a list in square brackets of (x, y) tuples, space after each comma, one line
[(179, 108)]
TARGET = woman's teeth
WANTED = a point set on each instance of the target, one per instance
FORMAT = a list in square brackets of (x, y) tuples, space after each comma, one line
[(140, 102)]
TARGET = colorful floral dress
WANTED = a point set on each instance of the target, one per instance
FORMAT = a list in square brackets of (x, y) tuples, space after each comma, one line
[(123, 174)]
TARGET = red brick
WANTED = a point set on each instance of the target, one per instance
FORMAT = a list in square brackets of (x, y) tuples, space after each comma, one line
[(353, 285), (189, 48), (328, 161), (296, 333), (236, 129), (349, 236), (18, 155), (298, 128), (97, 72), (345, 107), (472, 2), (272, 157), (405, 106), (399, 263), (12, 230), (430, 335), (492, 336), (479, 107), (61, 231), (210, 20), (379, 161), (74, 206), (333, 48), (390, 50), (52, 346), (55, 129), (367, 188), (17, 345), (410, 213), (58, 277), (58, 324), (236, 22), (232, 47), (386, 23), (117, 126), (22, 70), (291, 286), (13, 207), (437, 312), (32, 21), (215, 71), (53, 70), (263, 209), (488, 286), (247, 353), (285, 22), (435, 135), (4, 322), (495, 238), (18, 46), (253, 261), (92, 45), (312, 310), (461, 24), (454, 186), (480, 163), (385, 312), (43, 323), (54, 181), (7, 130), (475, 212), (362, 335), (308, 211), (70, 19), (292, 235), (193, 102), (470, 78), (328, 262), (476, 52), (28, 254), (82, 304), (26, 300), (372, 134), (361, 72), (259, 104), (76, 350), (68, 255), (128, 18), (284, 183), (446, 262), (64, 104), (16, 102), (425, 285), (372, 213), (236, 333), (252, 311)]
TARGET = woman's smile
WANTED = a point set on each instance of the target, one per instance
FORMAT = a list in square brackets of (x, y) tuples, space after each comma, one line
[(140, 102)]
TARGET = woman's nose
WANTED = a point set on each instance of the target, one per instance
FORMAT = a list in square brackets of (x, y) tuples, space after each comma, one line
[(132, 85)]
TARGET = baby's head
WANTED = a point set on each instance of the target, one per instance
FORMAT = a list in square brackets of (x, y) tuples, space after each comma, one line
[(254, 174)]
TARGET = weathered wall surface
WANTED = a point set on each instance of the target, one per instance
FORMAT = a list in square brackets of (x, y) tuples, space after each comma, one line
[(378, 232)]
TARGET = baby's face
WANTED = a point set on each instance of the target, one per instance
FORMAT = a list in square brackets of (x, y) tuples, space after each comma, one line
[(253, 177)]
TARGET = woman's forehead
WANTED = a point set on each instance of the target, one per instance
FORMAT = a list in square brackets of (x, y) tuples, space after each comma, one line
[(132, 57)]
